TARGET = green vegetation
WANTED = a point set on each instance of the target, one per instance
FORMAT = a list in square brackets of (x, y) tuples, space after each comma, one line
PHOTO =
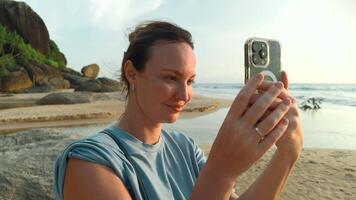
[(13, 47)]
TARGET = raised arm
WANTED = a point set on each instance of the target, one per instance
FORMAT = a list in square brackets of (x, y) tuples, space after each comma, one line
[(270, 184), (239, 144)]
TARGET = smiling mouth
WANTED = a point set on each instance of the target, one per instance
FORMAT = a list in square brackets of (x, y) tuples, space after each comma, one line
[(175, 108)]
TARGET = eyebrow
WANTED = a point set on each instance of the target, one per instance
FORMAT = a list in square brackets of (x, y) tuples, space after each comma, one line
[(176, 72)]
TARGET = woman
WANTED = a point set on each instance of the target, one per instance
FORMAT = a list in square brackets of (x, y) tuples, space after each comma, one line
[(136, 159)]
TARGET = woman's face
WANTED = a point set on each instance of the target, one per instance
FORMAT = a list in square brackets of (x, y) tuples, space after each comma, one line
[(164, 87)]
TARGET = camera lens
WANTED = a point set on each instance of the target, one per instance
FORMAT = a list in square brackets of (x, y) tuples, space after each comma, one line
[(263, 62), (263, 53), (256, 59), (263, 45), (256, 46)]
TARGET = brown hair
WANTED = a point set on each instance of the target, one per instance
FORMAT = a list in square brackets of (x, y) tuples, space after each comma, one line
[(143, 37)]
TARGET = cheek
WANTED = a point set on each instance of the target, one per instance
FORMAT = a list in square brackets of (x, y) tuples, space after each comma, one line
[(164, 90)]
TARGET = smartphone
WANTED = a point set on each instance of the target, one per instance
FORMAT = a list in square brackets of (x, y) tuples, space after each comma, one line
[(263, 56)]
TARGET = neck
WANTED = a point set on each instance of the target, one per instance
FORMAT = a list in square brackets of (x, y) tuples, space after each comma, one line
[(135, 122)]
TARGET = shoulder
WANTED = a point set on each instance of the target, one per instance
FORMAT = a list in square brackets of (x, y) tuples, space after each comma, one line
[(97, 149), (178, 138)]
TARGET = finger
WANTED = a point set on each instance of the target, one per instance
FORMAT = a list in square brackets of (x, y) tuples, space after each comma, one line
[(240, 103), (284, 79), (267, 125), (273, 137), (268, 112), (267, 84), (255, 112), (274, 104)]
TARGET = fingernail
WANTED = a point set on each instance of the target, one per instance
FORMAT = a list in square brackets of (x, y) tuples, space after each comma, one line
[(287, 101), (279, 85), (285, 121)]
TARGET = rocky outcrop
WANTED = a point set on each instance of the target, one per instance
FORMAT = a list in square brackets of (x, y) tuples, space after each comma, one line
[(23, 72), (16, 81), (90, 71), (27, 160), (100, 85), (19, 17), (66, 98)]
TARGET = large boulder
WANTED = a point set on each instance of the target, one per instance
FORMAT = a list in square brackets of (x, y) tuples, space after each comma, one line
[(16, 82), (100, 85), (91, 71), (59, 83), (74, 79), (19, 17), (66, 98), (110, 85), (35, 73), (48, 70)]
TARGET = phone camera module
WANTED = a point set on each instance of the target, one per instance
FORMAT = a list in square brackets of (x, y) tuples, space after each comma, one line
[(259, 53)]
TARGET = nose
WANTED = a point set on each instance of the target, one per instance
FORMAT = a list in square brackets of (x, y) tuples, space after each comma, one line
[(184, 92)]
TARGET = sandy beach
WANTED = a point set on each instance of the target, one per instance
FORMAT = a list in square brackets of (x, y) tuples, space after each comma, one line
[(101, 111), (320, 174), (27, 156)]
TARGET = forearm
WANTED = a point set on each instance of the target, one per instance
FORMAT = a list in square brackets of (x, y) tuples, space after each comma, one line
[(271, 182)]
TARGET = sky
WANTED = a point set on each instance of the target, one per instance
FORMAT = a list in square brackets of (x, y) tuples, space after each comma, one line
[(318, 37)]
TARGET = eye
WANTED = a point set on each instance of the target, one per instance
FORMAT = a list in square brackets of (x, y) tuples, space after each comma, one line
[(191, 82), (171, 78)]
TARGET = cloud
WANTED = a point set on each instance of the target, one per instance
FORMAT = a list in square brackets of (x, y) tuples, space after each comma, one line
[(114, 14)]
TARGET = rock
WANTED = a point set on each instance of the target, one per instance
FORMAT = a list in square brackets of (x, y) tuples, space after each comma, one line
[(100, 85), (50, 72), (74, 79), (41, 88), (90, 86), (66, 98), (90, 71), (16, 82), (19, 17), (35, 73), (27, 159), (59, 83), (110, 85), (66, 84), (70, 71)]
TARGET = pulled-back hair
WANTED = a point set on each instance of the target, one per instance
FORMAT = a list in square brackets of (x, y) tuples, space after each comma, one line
[(143, 37)]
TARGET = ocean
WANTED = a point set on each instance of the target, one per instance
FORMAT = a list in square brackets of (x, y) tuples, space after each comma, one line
[(331, 127), (332, 94)]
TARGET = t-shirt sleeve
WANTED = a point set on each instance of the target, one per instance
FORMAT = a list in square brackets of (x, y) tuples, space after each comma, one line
[(199, 155), (92, 151)]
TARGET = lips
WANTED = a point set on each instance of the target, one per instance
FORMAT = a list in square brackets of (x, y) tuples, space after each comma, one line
[(175, 108)]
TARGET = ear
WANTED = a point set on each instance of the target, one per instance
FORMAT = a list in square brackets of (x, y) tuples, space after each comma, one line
[(130, 72)]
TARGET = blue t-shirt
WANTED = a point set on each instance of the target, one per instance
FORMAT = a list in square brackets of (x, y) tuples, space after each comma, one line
[(168, 169)]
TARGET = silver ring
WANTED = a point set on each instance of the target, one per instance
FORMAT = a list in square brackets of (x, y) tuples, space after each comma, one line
[(258, 131)]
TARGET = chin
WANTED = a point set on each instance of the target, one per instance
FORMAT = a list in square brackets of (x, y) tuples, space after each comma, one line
[(172, 118)]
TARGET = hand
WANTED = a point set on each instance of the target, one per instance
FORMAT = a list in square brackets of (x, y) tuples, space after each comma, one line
[(238, 145), (291, 143)]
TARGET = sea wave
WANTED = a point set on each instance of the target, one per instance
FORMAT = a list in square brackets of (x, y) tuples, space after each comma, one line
[(337, 94)]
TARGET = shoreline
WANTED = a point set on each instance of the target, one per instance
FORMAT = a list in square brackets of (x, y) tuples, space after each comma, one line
[(97, 112)]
